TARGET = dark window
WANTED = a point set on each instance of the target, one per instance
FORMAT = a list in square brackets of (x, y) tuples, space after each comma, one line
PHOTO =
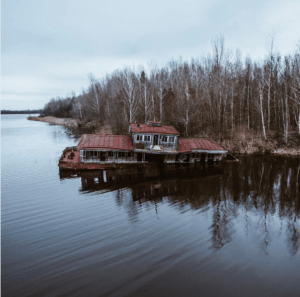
[(164, 139), (171, 139), (139, 137), (130, 154), (147, 138), (110, 154), (121, 154)]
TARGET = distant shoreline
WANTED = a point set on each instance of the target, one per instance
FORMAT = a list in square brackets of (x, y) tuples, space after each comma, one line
[(28, 111)]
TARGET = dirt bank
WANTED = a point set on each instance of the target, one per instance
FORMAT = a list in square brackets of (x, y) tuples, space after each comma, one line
[(248, 144), (55, 121)]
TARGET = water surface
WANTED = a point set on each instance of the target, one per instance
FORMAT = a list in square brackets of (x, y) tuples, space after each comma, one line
[(227, 230)]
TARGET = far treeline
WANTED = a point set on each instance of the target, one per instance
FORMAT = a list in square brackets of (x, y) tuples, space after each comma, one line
[(28, 111), (219, 94)]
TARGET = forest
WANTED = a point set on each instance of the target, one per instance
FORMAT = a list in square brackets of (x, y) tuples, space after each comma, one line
[(217, 95)]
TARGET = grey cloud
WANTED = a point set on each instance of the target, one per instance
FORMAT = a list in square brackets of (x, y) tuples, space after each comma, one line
[(56, 43)]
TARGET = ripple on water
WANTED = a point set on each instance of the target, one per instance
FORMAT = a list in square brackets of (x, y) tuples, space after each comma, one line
[(182, 233)]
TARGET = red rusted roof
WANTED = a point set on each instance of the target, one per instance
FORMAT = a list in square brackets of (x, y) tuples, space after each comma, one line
[(143, 128), (95, 141), (186, 145)]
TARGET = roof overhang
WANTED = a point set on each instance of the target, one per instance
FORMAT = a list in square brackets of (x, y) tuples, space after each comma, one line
[(105, 149), (209, 151), (154, 152)]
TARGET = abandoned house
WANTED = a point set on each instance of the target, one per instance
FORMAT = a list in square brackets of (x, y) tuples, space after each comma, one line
[(151, 142)]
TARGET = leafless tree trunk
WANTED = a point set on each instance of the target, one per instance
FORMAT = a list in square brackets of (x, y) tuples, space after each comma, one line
[(96, 104), (296, 99), (145, 94), (130, 89), (259, 105), (269, 73), (77, 107), (187, 118)]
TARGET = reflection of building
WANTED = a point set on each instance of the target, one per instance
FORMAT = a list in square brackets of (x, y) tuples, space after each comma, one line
[(149, 142), (246, 188), (151, 181)]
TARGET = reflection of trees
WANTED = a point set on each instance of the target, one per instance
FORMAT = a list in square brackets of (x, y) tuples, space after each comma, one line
[(222, 227), (293, 237), (265, 186), (268, 185)]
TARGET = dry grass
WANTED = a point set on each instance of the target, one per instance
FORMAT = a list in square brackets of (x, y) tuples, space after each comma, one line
[(246, 142), (54, 120), (103, 130)]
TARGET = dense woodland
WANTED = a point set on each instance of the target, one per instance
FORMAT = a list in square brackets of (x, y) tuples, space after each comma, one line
[(219, 94)]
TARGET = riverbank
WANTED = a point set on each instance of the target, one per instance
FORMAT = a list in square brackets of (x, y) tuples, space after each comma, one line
[(73, 123), (245, 143), (240, 143), (55, 121)]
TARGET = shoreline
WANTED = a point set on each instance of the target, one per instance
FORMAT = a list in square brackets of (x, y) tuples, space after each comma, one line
[(72, 123), (262, 148), (55, 121)]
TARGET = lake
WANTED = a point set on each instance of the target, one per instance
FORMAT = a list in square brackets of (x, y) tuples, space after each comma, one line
[(232, 229)]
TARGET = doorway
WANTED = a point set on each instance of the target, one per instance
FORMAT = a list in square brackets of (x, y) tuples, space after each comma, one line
[(102, 156), (155, 158), (202, 160), (155, 140)]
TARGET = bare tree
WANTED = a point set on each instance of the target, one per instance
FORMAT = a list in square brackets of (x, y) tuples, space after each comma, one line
[(144, 85), (260, 102), (95, 98), (129, 85)]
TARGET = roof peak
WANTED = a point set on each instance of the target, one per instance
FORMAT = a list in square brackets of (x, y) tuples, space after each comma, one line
[(144, 128)]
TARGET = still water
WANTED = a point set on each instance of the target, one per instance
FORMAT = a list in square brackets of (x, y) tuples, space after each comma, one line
[(228, 230)]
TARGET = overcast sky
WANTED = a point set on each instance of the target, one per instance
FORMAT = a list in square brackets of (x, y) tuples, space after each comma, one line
[(49, 46)]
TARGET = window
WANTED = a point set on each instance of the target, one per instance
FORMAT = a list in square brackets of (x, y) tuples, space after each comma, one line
[(147, 138), (110, 154), (171, 139), (164, 139), (130, 155), (121, 154), (93, 153), (139, 137)]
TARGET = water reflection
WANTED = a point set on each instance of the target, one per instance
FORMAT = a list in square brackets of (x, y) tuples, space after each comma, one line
[(266, 188), (215, 230)]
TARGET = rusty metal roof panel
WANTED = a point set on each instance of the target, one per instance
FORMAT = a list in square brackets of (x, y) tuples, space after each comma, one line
[(186, 145), (143, 128), (94, 141)]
